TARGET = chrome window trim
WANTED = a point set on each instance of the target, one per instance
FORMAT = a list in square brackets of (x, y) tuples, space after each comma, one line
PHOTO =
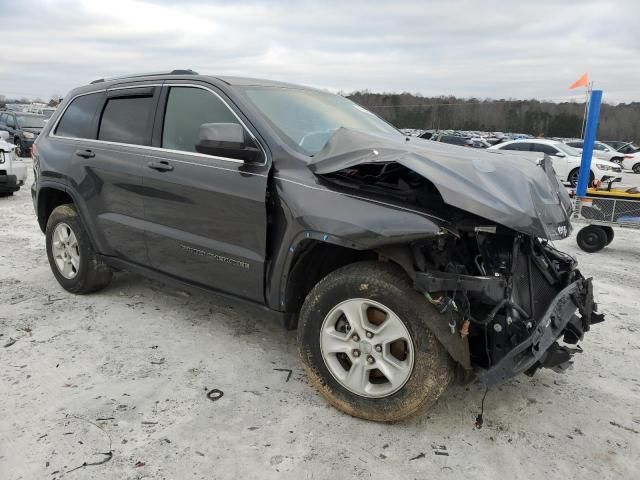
[(160, 149)]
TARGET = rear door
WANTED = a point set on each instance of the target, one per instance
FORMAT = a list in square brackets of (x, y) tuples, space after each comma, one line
[(206, 215), (112, 164)]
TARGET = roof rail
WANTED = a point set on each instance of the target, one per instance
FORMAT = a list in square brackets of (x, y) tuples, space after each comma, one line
[(149, 74)]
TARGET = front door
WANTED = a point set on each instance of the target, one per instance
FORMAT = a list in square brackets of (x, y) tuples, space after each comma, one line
[(206, 219)]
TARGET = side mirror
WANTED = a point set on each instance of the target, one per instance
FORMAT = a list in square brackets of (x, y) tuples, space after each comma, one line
[(559, 154), (4, 135), (226, 140)]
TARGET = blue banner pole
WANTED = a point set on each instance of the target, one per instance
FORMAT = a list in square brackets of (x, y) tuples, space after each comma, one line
[(589, 140)]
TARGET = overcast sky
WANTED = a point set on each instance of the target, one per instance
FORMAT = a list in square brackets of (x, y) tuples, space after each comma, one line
[(484, 48)]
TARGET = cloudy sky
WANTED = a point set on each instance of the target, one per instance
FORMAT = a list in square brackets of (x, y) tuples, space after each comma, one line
[(483, 48)]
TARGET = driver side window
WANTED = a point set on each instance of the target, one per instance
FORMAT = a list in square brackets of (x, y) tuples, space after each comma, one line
[(187, 109)]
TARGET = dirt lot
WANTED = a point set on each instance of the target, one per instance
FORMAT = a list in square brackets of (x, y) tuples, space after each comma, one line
[(128, 369)]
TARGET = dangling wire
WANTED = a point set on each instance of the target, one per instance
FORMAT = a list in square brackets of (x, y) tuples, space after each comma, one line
[(480, 418)]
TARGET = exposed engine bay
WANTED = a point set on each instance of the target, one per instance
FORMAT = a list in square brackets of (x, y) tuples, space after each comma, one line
[(508, 296), (513, 296)]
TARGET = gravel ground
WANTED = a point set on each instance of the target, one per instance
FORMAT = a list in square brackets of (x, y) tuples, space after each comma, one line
[(127, 371)]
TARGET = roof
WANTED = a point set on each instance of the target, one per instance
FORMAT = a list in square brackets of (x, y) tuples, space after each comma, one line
[(192, 75), (257, 82)]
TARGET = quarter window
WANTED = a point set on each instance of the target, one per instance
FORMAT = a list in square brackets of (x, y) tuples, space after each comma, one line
[(187, 109), (77, 118), (126, 120)]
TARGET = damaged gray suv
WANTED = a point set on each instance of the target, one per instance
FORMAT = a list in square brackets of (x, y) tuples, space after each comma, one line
[(403, 263)]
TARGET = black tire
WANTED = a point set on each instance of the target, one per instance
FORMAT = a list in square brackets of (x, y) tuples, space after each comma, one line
[(573, 177), (636, 168), (92, 274), (592, 238), (610, 234), (386, 284)]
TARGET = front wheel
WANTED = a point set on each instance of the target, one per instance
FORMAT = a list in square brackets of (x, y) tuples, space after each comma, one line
[(573, 177), (636, 168), (366, 346), (73, 261)]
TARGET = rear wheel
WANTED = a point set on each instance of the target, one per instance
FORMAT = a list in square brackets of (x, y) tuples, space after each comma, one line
[(636, 168), (366, 346), (592, 238), (73, 261)]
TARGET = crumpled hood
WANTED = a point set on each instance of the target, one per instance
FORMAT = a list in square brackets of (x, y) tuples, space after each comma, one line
[(505, 188)]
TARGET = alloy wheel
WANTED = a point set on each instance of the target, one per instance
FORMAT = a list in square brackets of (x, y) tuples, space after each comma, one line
[(367, 348), (65, 250)]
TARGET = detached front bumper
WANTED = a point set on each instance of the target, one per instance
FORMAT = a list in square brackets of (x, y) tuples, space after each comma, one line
[(569, 315), (515, 341)]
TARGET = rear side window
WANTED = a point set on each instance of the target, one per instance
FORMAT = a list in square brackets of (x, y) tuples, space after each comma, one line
[(77, 118), (187, 109), (520, 147), (542, 148), (126, 120), (575, 144)]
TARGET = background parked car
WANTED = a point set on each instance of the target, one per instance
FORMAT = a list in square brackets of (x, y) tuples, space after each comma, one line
[(23, 129), (566, 159), (600, 150), (623, 146), (13, 171), (631, 161), (453, 140)]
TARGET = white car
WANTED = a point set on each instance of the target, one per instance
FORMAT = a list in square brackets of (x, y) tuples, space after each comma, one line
[(631, 161), (13, 170), (566, 160), (600, 150)]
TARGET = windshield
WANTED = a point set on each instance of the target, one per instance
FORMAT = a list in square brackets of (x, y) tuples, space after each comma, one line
[(31, 121), (572, 152), (308, 118), (47, 113)]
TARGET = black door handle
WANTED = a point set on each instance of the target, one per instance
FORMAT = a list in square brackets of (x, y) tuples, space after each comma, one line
[(85, 153), (161, 166)]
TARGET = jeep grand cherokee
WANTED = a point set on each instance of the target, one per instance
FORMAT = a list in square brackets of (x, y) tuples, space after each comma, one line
[(400, 261)]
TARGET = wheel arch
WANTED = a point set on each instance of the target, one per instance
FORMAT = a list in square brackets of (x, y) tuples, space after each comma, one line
[(317, 255), (52, 195)]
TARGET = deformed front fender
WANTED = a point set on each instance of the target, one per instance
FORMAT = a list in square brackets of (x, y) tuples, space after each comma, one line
[(313, 212)]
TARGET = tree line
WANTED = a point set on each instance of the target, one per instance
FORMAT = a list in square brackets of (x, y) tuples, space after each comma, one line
[(548, 119)]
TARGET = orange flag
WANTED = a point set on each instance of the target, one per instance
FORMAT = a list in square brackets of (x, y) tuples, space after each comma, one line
[(583, 81)]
